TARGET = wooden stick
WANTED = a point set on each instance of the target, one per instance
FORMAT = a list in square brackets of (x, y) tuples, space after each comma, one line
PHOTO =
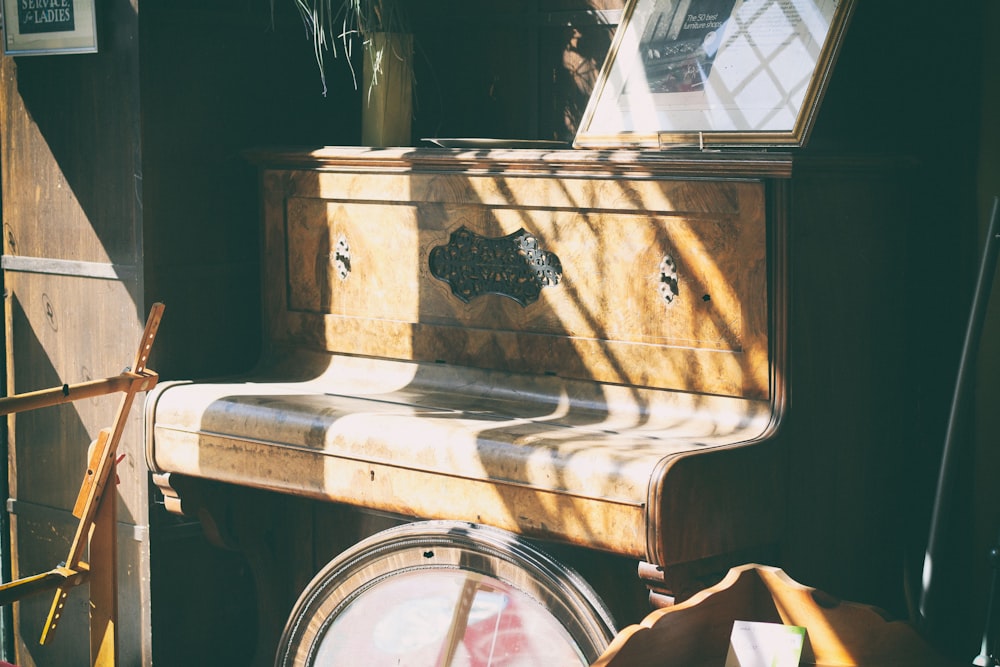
[(40, 583), (64, 394)]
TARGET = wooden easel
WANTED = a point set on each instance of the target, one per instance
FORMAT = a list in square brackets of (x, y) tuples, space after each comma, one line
[(96, 505)]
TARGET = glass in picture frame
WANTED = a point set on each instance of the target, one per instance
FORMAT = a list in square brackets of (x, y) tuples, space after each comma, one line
[(683, 73)]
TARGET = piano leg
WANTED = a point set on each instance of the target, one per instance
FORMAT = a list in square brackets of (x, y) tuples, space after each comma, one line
[(669, 585)]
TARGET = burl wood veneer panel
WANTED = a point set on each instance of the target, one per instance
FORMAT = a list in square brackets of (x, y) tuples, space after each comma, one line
[(640, 281)]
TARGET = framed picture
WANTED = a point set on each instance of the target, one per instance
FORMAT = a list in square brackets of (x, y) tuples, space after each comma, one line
[(38, 27), (684, 73)]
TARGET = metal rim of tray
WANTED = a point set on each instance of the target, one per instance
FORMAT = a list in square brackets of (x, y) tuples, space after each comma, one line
[(420, 577)]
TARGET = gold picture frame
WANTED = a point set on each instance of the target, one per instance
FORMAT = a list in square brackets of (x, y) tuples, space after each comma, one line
[(719, 73), (42, 27)]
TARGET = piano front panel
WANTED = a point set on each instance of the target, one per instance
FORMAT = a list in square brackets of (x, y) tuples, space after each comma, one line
[(653, 282)]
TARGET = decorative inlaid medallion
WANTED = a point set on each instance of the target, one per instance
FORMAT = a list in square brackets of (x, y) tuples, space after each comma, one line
[(341, 257), (668, 279), (513, 266)]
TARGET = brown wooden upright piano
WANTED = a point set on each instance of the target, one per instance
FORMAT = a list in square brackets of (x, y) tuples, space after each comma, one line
[(582, 349)]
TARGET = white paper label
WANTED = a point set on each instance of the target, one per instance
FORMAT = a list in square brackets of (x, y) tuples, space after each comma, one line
[(765, 645)]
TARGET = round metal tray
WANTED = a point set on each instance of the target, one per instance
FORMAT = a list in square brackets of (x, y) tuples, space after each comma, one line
[(445, 593)]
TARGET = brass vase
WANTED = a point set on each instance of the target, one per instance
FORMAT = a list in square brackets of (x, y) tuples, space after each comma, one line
[(387, 97)]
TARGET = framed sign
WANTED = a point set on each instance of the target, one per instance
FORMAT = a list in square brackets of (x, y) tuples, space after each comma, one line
[(684, 73), (37, 27)]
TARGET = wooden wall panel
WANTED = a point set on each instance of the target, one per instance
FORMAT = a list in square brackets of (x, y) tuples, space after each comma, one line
[(848, 419), (71, 179), (63, 330), (42, 531), (71, 159), (506, 68), (242, 77)]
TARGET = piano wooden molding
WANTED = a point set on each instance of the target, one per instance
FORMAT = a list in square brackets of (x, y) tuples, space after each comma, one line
[(627, 402), (838, 633), (559, 163)]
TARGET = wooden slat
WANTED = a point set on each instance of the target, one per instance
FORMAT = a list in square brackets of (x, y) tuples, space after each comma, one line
[(67, 393)]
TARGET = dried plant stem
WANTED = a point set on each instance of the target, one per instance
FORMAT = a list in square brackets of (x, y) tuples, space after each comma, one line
[(328, 22)]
